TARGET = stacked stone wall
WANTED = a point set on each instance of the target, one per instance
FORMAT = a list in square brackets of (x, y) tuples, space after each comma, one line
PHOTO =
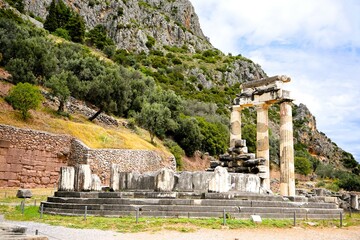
[(31, 158)]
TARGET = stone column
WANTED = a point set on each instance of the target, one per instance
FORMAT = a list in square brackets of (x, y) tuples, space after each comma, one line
[(262, 141), (235, 125), (287, 175), (114, 177)]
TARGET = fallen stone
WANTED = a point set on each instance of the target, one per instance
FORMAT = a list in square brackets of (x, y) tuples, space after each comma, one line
[(256, 218), (24, 193)]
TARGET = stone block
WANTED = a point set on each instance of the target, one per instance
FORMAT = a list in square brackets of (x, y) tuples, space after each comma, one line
[(147, 181), (240, 143), (164, 180), (123, 180), (95, 183), (67, 179), (45, 180), (201, 180), (24, 193), (256, 218), (132, 180), (245, 182), (184, 182), (114, 177), (355, 201), (82, 177), (4, 143), (219, 183)]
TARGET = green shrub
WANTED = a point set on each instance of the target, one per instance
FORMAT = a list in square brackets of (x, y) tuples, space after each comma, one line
[(177, 151), (61, 32), (24, 97), (302, 165), (150, 42)]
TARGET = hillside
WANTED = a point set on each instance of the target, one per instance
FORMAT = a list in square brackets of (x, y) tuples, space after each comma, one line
[(159, 60)]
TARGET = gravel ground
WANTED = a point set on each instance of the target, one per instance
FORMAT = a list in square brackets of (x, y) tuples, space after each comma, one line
[(62, 233)]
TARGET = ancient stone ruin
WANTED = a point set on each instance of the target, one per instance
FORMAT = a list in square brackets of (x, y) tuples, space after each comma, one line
[(238, 184), (261, 94)]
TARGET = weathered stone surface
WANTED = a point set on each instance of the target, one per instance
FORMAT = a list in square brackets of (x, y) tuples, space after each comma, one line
[(114, 177), (219, 183), (201, 181), (67, 179), (355, 201), (82, 177), (95, 183), (184, 182), (24, 193), (164, 180), (245, 182)]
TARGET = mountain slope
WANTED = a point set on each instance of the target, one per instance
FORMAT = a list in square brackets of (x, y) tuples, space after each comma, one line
[(182, 59)]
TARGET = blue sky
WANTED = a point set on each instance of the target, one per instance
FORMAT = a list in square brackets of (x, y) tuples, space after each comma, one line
[(316, 43)]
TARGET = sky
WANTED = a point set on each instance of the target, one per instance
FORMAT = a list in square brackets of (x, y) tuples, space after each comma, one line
[(316, 43)]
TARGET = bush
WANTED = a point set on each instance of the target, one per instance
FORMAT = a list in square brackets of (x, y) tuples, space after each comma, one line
[(61, 32), (24, 97), (302, 165), (177, 151)]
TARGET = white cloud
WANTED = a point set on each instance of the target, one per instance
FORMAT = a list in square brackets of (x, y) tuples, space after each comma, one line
[(317, 43)]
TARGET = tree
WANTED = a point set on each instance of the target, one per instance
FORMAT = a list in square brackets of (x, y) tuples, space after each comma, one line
[(188, 135), (302, 165), (98, 37), (156, 118), (24, 97), (76, 27), (58, 85), (51, 23)]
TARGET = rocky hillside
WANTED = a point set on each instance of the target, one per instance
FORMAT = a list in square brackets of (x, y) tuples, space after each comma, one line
[(181, 58)]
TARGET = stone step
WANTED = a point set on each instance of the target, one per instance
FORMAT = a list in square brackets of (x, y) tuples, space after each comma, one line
[(203, 202)]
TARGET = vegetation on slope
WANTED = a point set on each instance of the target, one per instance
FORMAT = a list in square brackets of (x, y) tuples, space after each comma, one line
[(158, 88)]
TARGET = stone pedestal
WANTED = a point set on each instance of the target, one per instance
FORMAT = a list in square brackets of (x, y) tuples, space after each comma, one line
[(220, 182), (82, 177), (67, 179), (355, 201), (262, 141), (287, 171), (235, 125)]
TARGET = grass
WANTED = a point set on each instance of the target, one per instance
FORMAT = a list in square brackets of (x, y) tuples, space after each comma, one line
[(92, 134)]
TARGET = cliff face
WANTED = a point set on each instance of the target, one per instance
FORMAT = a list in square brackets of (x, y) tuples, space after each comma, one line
[(131, 23)]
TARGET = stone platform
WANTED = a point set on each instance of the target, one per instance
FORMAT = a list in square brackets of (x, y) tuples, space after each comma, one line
[(188, 204)]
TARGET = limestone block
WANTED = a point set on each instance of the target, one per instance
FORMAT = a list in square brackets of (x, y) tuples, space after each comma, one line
[(245, 182), (82, 177), (355, 202), (200, 181), (164, 180), (67, 179), (219, 182), (123, 180), (95, 183), (184, 182), (132, 180), (114, 177), (147, 181), (240, 143), (24, 193)]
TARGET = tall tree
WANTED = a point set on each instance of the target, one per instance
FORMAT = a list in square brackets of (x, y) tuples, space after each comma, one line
[(51, 22), (76, 27), (58, 84)]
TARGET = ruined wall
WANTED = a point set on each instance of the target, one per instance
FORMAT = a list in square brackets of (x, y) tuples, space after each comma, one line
[(128, 160), (31, 158)]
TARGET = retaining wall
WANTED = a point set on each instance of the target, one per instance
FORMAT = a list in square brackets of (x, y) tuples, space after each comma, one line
[(30, 158)]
